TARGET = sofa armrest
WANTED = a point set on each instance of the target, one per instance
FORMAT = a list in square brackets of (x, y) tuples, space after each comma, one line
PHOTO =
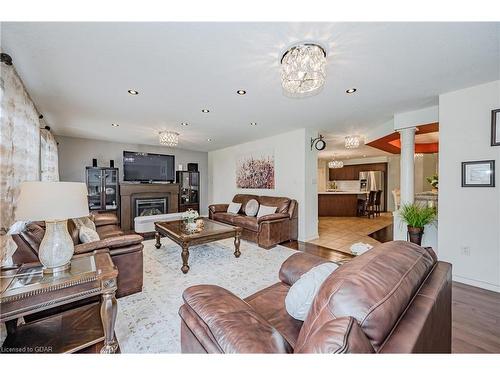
[(298, 264), (218, 208), (111, 243), (227, 321), (104, 218), (271, 217)]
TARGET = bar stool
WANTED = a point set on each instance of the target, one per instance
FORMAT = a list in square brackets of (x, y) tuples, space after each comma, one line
[(377, 202)]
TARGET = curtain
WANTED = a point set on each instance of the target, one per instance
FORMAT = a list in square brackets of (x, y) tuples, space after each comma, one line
[(49, 168), (19, 149)]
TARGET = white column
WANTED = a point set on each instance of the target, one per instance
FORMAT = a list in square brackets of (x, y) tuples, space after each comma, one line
[(407, 178), (407, 169)]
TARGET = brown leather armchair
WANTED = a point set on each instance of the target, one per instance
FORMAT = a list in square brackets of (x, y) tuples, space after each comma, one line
[(396, 298), (267, 231), (125, 249)]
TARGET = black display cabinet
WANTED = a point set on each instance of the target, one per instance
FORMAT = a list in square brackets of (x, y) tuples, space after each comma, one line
[(189, 190)]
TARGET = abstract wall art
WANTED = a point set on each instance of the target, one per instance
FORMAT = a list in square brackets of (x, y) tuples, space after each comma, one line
[(256, 170)]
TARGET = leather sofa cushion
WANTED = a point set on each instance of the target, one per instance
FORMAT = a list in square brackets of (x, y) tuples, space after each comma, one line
[(246, 222), (105, 218), (108, 231), (374, 288), (281, 203), (225, 217), (243, 199), (270, 304)]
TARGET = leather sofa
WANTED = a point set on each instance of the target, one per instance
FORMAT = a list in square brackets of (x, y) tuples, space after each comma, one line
[(267, 231), (125, 249), (395, 298)]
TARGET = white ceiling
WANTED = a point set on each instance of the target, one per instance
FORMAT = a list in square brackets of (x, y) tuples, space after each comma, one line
[(78, 75)]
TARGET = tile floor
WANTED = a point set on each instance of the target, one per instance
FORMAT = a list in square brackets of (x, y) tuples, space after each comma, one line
[(340, 233)]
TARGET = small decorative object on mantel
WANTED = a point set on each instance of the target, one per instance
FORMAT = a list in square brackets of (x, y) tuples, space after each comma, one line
[(189, 218), (495, 127), (417, 216), (434, 181), (478, 173)]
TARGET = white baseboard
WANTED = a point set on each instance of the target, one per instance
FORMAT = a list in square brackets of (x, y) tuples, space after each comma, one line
[(477, 283), (310, 238)]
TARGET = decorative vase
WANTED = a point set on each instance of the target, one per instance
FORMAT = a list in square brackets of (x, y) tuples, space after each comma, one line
[(415, 234)]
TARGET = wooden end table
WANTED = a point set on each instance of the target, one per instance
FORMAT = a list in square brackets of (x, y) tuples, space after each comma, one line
[(26, 290), (208, 231)]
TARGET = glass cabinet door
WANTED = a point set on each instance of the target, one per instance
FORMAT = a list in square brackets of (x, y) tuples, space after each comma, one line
[(94, 188), (110, 177), (185, 195)]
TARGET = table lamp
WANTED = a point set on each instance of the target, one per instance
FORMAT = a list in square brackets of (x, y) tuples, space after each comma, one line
[(54, 203)]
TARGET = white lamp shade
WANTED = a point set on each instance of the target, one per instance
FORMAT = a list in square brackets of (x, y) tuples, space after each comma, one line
[(51, 201)]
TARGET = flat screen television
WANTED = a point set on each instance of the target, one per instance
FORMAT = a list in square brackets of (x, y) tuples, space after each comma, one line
[(146, 167)]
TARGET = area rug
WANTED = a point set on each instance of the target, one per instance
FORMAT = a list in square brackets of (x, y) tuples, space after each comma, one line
[(148, 322)]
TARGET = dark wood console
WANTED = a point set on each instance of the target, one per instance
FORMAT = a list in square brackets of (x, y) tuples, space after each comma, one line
[(129, 192)]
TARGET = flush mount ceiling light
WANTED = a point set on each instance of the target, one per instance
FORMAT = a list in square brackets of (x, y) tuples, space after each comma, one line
[(351, 91), (169, 138), (336, 164), (253, 123), (303, 70), (184, 124), (205, 110), (115, 125), (241, 92), (352, 141), (133, 92), (209, 139)]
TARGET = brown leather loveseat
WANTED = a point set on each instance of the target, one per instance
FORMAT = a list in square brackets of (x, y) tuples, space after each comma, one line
[(395, 298), (125, 249), (267, 231)]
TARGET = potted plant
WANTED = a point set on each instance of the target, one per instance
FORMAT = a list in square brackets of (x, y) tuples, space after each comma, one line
[(189, 218), (434, 181), (417, 217)]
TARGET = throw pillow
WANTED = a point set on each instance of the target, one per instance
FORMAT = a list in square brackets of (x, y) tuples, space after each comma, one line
[(234, 208), (252, 207), (87, 235), (301, 294), (266, 210), (85, 221)]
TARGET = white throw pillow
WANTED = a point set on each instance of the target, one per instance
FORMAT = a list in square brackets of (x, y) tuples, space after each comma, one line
[(234, 208), (252, 207), (85, 221), (301, 294), (266, 210), (87, 235)]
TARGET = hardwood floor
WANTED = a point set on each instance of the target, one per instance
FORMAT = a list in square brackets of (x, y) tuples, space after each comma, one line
[(475, 311)]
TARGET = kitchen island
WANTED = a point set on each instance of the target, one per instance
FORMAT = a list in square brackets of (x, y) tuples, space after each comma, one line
[(339, 203)]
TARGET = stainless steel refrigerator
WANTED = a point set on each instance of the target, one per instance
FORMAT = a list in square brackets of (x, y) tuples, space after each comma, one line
[(373, 180)]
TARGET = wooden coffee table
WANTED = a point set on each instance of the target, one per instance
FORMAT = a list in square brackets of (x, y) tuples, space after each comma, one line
[(210, 231)]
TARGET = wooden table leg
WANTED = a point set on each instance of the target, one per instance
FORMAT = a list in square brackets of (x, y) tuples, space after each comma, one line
[(108, 318), (237, 252), (158, 240), (185, 258)]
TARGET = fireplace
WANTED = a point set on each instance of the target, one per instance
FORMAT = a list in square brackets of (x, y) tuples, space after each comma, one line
[(150, 206), (165, 196)]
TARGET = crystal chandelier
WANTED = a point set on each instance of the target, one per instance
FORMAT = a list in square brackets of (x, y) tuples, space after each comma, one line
[(352, 141), (169, 138), (336, 164), (303, 70)]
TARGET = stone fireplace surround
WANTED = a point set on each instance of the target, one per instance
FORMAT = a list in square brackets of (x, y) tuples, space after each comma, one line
[(129, 192)]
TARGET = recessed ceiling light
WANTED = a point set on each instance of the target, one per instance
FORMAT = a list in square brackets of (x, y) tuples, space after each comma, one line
[(351, 91), (115, 125), (253, 123), (184, 124), (133, 92), (205, 110), (241, 92), (209, 139)]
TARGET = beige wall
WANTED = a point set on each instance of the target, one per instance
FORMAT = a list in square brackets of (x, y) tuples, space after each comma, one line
[(77, 153)]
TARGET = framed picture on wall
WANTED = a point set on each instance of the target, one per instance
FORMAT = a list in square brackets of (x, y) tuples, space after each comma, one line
[(478, 173), (495, 127)]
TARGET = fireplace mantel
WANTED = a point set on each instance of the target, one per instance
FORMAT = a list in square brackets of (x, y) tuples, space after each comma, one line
[(131, 191)]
